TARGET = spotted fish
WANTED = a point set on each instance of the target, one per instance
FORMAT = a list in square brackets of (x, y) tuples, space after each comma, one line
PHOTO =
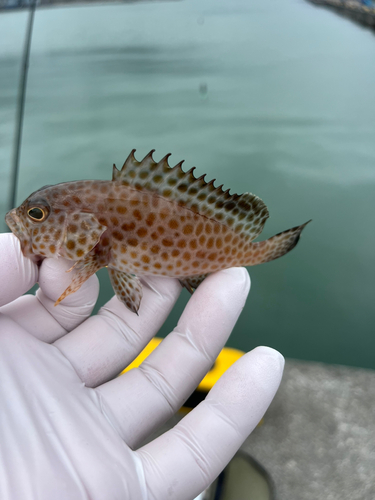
[(151, 219)]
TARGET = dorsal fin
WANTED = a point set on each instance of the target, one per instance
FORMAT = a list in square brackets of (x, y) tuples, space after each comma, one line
[(244, 213)]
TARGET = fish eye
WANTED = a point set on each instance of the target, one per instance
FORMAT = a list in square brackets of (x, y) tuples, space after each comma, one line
[(36, 213)]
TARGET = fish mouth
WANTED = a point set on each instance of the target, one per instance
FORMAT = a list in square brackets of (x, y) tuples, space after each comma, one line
[(15, 224)]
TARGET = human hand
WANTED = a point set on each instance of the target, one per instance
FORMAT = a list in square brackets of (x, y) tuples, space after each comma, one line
[(71, 430)]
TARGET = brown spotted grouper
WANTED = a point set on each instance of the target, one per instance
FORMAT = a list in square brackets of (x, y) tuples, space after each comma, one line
[(150, 219)]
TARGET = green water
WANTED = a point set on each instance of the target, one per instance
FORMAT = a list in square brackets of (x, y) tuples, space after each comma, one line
[(276, 98)]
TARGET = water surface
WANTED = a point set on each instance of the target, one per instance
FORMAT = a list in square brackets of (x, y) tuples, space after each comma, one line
[(276, 98)]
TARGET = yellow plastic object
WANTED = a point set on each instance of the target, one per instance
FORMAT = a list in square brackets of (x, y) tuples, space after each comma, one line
[(226, 358)]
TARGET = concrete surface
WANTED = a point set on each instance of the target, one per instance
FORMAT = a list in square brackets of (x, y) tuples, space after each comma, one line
[(318, 437)]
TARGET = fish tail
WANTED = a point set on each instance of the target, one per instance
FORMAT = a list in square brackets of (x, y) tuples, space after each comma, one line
[(273, 248)]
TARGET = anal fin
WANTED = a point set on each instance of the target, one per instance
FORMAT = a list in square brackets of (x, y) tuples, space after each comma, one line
[(192, 282), (127, 288)]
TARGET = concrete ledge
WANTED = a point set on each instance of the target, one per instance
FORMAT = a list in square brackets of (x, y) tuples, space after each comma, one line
[(318, 436)]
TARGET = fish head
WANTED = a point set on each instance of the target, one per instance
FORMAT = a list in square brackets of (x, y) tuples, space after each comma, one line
[(53, 222), (36, 224)]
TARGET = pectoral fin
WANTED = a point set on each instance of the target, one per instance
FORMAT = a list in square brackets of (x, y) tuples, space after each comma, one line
[(192, 282), (83, 233), (83, 269), (127, 288), (273, 248)]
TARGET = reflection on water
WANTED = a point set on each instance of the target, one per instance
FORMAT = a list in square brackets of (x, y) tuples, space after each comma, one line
[(277, 99)]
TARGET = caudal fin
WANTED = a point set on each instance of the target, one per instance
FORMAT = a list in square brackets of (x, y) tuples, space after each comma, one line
[(273, 248)]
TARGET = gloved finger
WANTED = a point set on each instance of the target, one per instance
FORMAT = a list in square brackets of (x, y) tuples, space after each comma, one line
[(142, 399), (17, 273), (38, 314), (105, 344), (185, 460)]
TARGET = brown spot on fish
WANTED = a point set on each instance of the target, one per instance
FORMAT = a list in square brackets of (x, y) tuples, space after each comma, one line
[(150, 219), (137, 214), (167, 242), (121, 209), (128, 226), (118, 235), (199, 228), (186, 256), (188, 229), (142, 232), (173, 224), (76, 200), (167, 193)]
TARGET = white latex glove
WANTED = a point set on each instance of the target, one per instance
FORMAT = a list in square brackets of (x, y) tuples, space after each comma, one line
[(71, 430)]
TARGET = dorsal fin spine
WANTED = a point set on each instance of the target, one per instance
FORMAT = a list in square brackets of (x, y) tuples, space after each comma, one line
[(115, 172), (129, 160), (244, 213)]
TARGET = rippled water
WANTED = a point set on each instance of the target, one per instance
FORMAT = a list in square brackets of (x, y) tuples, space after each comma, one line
[(277, 98)]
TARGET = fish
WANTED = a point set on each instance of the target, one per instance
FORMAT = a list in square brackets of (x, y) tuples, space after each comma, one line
[(150, 219)]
